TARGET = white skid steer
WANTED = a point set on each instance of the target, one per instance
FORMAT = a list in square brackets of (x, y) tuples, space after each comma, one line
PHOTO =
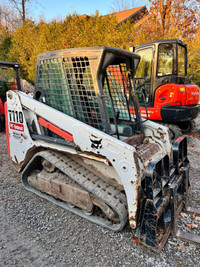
[(77, 144)]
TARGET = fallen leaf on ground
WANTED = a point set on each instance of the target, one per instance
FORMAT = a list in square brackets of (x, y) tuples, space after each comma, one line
[(196, 199), (181, 247), (193, 216), (183, 215), (7, 199), (136, 240), (180, 262), (41, 199), (197, 218), (192, 226), (172, 243)]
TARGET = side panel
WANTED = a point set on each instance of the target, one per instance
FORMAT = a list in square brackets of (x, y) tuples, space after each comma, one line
[(18, 136), (193, 94), (176, 94), (87, 139), (153, 113), (170, 94)]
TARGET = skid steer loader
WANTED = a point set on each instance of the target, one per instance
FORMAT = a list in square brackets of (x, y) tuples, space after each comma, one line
[(77, 145)]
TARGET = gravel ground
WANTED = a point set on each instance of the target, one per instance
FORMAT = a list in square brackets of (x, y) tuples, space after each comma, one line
[(34, 232)]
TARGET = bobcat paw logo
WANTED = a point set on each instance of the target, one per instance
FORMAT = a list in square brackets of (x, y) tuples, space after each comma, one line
[(96, 144)]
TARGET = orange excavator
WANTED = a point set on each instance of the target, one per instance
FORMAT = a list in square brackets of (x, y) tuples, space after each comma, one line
[(165, 93)]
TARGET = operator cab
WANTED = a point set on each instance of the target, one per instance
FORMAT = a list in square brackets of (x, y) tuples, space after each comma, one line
[(93, 85), (164, 91), (162, 62), (9, 79)]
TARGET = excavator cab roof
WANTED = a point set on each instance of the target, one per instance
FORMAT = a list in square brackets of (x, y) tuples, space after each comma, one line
[(169, 41)]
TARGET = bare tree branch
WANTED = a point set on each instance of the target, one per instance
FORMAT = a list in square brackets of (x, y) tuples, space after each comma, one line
[(121, 5), (9, 18), (21, 7)]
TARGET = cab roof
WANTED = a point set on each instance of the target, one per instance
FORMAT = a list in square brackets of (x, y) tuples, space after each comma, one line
[(170, 41)]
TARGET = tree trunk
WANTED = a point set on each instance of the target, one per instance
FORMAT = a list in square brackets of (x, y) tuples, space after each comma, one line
[(23, 11)]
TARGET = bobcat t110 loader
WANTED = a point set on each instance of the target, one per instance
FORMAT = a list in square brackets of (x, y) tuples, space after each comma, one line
[(77, 145)]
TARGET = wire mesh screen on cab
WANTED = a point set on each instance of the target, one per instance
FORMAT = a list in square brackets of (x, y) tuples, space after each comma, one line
[(68, 86)]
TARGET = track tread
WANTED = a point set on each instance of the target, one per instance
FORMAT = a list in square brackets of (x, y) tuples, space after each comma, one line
[(91, 182)]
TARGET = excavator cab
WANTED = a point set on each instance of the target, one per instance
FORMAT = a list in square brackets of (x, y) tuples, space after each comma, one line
[(162, 84)]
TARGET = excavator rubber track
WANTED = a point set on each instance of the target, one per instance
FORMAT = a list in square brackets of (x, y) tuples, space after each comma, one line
[(111, 196), (174, 130)]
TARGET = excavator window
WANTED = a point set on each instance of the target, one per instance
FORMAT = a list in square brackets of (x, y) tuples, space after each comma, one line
[(181, 60), (144, 69), (165, 60), (3, 86), (7, 81), (143, 75)]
